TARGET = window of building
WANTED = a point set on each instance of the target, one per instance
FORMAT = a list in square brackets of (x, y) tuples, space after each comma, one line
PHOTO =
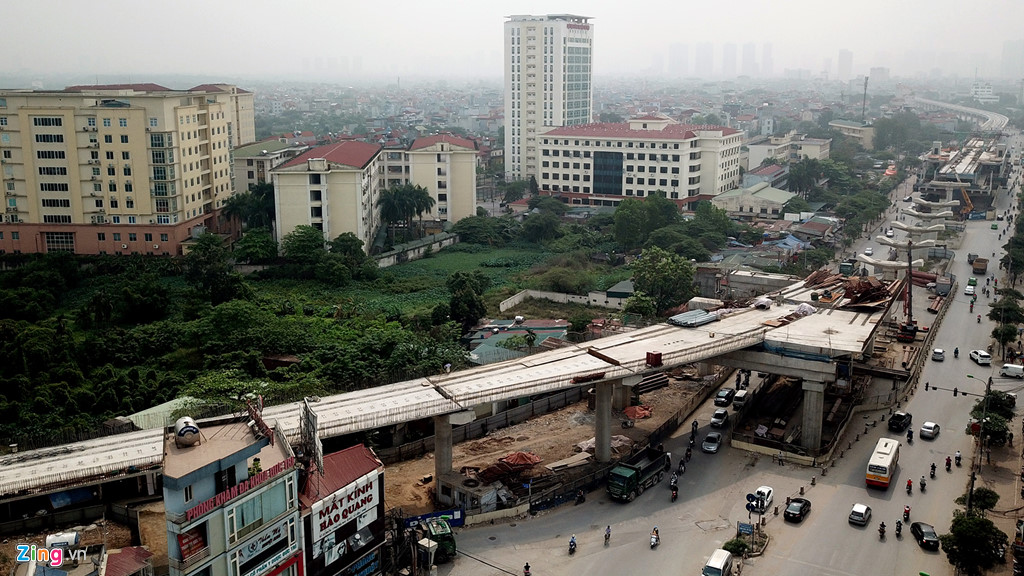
[(132, 236), (111, 171), (106, 122), (49, 138), (188, 494), (112, 186), (124, 138), (314, 178), (128, 186), (129, 203), (108, 139), (101, 236), (122, 122), (131, 220), (152, 123), (60, 241), (3, 120), (315, 196), (163, 237), (316, 212), (15, 236), (126, 155), (57, 218), (127, 170), (116, 220)]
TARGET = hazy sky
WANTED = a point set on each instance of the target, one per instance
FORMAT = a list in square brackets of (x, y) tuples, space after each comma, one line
[(329, 39)]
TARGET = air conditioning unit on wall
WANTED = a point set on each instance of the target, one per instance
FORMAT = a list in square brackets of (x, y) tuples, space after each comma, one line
[(124, 246)]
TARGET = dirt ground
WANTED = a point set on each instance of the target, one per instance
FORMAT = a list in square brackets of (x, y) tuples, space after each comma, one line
[(552, 437), (113, 535)]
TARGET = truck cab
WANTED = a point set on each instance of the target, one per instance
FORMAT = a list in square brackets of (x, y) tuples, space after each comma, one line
[(440, 531)]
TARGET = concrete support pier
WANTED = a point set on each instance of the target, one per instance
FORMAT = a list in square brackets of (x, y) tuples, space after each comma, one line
[(813, 407), (443, 443), (603, 420)]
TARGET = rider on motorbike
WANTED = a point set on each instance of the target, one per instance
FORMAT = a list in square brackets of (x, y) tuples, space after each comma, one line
[(910, 484), (922, 482), (948, 461), (958, 457), (956, 352)]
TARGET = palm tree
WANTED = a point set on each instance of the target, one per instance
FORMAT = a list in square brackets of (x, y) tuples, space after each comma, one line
[(390, 204), (423, 202)]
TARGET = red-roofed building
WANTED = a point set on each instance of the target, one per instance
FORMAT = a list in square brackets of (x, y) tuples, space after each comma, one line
[(639, 157), (343, 514), (130, 561), (333, 188), (445, 165)]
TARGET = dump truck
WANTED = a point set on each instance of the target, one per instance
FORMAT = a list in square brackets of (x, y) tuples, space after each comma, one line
[(630, 478), (440, 531), (848, 266), (980, 265)]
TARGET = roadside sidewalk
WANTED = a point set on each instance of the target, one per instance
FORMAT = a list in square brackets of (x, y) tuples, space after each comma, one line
[(1001, 474)]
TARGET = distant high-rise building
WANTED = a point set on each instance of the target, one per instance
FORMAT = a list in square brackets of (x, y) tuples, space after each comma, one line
[(767, 64), (845, 65), (879, 74), (1012, 66), (729, 60), (548, 71), (678, 60), (748, 66), (705, 60)]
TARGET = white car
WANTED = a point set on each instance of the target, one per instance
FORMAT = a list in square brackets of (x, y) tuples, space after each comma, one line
[(929, 430), (981, 358), (969, 291), (938, 355), (869, 251), (860, 515), (763, 498), (889, 233)]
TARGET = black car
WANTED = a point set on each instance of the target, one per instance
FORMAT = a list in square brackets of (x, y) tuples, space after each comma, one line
[(724, 396), (899, 421), (925, 535), (798, 508)]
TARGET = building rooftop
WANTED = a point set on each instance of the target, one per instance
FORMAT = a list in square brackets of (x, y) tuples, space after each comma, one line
[(144, 87), (261, 148), (849, 124), (622, 130), (217, 442), (348, 153), (340, 469), (452, 139), (126, 561), (769, 170)]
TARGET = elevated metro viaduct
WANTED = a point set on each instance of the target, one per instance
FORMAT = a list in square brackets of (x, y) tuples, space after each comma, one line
[(771, 340)]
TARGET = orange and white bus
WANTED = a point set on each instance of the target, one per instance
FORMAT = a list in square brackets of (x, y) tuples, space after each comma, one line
[(883, 462)]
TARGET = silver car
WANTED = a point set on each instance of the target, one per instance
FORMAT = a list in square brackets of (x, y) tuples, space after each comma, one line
[(860, 514), (711, 443), (929, 430)]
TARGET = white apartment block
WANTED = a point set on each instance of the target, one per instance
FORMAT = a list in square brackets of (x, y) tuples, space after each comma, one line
[(603, 163), (335, 188), (548, 70), (117, 169)]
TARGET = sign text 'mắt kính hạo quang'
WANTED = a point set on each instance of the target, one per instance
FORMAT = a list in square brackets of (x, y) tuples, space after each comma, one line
[(344, 505)]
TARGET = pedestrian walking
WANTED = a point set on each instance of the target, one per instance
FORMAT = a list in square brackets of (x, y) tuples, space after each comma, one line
[(988, 456)]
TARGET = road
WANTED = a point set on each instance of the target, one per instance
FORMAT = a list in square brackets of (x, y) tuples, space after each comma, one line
[(713, 488)]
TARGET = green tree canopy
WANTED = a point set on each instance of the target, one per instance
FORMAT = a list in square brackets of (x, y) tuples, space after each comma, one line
[(971, 543), (304, 245), (665, 277), (257, 246)]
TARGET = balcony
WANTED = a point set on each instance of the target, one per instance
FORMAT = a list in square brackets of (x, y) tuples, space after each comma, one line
[(192, 561)]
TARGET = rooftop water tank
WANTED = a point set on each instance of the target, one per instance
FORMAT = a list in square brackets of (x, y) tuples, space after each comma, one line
[(186, 433)]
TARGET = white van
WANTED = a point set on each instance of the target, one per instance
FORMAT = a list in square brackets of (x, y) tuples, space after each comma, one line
[(740, 399), (720, 564), (1014, 370)]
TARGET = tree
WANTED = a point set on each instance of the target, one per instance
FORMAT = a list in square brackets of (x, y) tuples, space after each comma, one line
[(479, 230), (208, 268), (304, 245), (972, 542), (665, 277), (422, 202), (796, 205), (541, 227), (534, 187), (514, 191), (547, 204), (466, 305), (256, 246), (630, 224), (254, 208), (982, 499), (640, 304)]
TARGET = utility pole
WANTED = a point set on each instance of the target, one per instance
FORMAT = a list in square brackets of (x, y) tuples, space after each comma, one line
[(981, 441)]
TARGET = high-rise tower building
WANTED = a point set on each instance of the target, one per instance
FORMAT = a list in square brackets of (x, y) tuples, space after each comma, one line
[(679, 60), (767, 64), (748, 66), (548, 71), (845, 65), (705, 60)]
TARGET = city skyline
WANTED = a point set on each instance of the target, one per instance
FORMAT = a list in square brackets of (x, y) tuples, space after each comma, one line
[(315, 39)]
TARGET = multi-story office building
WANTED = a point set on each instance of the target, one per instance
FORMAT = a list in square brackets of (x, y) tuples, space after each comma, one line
[(611, 161), (117, 169), (335, 188), (862, 132), (231, 499), (792, 147), (548, 69)]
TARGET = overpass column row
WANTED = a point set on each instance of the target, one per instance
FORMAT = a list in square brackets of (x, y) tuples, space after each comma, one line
[(603, 420)]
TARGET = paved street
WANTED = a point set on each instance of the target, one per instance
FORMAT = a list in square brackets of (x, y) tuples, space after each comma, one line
[(713, 488)]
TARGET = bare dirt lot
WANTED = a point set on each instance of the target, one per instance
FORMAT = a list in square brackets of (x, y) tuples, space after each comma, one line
[(552, 437)]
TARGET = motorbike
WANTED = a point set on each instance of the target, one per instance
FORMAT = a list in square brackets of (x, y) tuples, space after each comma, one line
[(910, 436), (948, 462), (607, 537), (979, 318), (526, 569), (580, 498), (922, 484), (956, 351), (693, 442), (932, 473), (957, 459), (899, 528), (689, 453), (572, 547), (906, 513), (881, 531), (655, 540), (682, 467), (675, 493)]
